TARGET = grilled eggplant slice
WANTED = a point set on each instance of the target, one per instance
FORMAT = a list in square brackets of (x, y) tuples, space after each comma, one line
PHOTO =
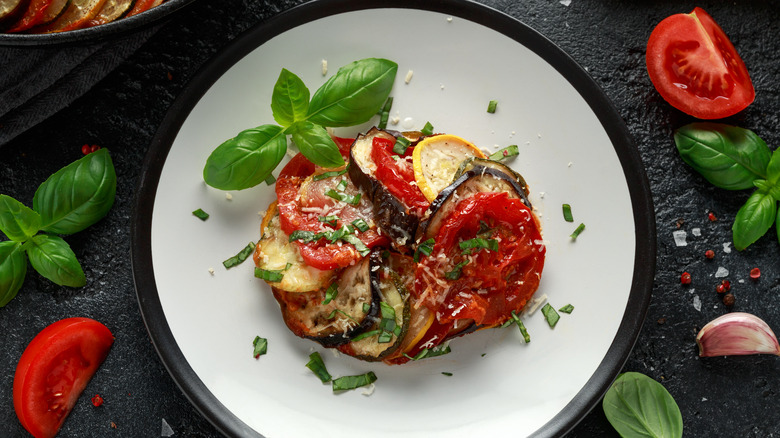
[(391, 214), (391, 277), (472, 163), (479, 178), (352, 311), (275, 252)]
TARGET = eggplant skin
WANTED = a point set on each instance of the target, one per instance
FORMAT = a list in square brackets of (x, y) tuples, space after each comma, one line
[(391, 215), (477, 179)]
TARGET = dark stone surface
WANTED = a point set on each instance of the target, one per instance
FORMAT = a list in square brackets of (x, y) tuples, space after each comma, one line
[(736, 396)]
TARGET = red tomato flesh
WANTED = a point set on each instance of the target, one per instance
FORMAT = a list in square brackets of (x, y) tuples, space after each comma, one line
[(493, 283), (299, 200), (695, 68), (397, 174), (53, 371)]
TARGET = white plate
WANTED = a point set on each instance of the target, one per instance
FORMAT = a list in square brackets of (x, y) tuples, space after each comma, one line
[(573, 149)]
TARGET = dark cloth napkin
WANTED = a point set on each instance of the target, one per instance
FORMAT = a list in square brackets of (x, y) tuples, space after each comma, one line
[(36, 82)]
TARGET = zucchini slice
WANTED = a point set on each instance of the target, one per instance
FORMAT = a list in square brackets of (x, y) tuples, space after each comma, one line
[(275, 252), (352, 311), (390, 278), (391, 215)]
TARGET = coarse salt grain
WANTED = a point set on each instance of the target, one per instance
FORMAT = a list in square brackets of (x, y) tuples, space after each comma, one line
[(721, 272), (408, 77), (211, 271), (727, 247), (696, 232), (697, 303), (679, 237), (566, 2)]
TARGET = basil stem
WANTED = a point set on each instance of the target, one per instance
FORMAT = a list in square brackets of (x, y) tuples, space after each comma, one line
[(13, 269), (317, 366), (727, 156), (346, 383), (240, 257), (17, 221), (78, 195), (52, 258)]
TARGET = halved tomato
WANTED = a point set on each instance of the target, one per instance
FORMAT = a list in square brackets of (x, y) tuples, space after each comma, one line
[(53, 371), (694, 66)]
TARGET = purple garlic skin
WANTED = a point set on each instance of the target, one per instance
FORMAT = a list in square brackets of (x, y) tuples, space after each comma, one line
[(737, 333)]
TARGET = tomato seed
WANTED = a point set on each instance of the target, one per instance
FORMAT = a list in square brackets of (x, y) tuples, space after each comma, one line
[(685, 278), (711, 217), (97, 400), (755, 273), (710, 254)]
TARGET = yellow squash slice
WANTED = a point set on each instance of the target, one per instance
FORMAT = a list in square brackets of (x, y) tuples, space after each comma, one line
[(436, 159)]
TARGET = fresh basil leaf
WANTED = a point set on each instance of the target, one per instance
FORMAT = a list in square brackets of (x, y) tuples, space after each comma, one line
[(316, 144), (78, 195), (754, 219), (354, 94), (17, 221), (247, 159), (290, 100), (638, 406), (52, 258), (13, 269), (773, 169), (727, 156)]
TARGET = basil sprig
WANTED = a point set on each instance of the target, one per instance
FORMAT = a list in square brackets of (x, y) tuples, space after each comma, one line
[(351, 97), (734, 158), (72, 199), (637, 405)]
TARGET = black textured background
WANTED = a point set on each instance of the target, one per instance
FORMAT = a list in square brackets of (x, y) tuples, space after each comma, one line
[(718, 397)]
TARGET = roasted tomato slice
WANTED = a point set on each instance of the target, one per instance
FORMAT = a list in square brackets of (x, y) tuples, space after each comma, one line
[(486, 261), (695, 67), (53, 371), (397, 174), (304, 206)]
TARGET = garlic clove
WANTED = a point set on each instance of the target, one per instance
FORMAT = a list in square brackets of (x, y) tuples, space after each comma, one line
[(737, 333)]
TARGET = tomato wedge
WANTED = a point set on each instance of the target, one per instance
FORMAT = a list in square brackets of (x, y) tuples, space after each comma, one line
[(397, 174), (302, 203), (694, 66), (53, 371), (483, 283)]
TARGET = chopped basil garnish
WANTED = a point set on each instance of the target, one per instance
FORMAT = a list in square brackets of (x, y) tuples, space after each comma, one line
[(567, 309), (365, 335), (446, 373), (477, 243), (521, 326), (492, 106), (361, 247), (344, 197), (330, 220), (509, 151), (401, 143), (387, 324), (427, 129), (324, 175), (304, 236), (567, 213), (577, 232), (346, 383), (384, 113), (342, 185), (317, 366), (331, 293), (361, 225), (269, 275), (261, 346), (430, 352), (550, 314), (335, 311), (200, 214), (425, 248), (366, 307), (270, 180), (240, 257), (456, 271)]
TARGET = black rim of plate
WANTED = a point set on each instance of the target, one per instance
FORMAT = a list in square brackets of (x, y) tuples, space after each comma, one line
[(96, 34), (639, 190)]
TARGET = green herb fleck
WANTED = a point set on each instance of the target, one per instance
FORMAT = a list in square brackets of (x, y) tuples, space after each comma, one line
[(446, 373), (344, 197), (401, 143), (577, 232), (317, 366), (330, 220), (427, 129), (331, 293), (567, 213), (456, 271), (478, 243), (261, 346), (425, 248), (550, 314), (492, 106), (332, 173), (566, 309), (521, 326), (240, 257), (361, 225), (200, 214), (274, 276), (346, 383), (507, 152)]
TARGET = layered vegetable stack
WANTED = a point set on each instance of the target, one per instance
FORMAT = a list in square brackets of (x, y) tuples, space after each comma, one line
[(417, 240), (46, 16)]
